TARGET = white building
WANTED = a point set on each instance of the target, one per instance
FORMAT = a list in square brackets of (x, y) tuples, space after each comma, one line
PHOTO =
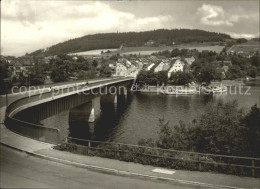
[(121, 70), (178, 65), (127, 70)]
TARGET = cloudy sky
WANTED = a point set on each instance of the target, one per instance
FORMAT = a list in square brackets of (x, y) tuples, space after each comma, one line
[(30, 25)]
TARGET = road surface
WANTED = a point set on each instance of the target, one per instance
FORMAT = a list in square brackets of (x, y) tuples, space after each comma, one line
[(19, 170)]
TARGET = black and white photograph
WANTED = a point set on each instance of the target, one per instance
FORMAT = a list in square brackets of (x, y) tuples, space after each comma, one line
[(127, 94)]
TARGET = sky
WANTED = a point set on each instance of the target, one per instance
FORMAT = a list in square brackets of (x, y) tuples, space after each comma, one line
[(29, 25)]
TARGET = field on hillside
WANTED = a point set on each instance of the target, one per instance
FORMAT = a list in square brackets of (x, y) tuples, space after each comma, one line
[(249, 47), (149, 50), (92, 52)]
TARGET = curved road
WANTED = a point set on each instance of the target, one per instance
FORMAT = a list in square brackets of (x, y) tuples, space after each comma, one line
[(19, 170)]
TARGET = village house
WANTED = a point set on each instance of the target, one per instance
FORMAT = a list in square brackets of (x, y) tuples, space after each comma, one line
[(126, 68), (150, 66), (178, 65), (222, 67), (190, 60), (121, 70), (19, 67), (159, 67), (15, 68), (132, 71), (166, 67), (222, 64)]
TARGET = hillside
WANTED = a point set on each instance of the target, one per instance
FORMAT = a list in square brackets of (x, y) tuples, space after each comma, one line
[(132, 39)]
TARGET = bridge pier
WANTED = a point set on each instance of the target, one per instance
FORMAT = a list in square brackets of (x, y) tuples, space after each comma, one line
[(115, 96), (87, 112), (95, 109)]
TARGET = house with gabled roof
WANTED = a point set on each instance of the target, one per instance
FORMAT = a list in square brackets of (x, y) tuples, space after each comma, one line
[(177, 65), (159, 67), (190, 60)]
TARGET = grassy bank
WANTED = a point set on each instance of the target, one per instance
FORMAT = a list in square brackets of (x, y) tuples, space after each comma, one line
[(171, 159)]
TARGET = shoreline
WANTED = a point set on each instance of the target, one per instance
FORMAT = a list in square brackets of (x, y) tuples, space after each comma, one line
[(157, 89)]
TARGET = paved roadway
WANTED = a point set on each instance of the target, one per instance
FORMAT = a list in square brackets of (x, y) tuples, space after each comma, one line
[(92, 82), (19, 170)]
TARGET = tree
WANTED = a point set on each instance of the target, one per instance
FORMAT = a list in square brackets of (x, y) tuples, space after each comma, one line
[(141, 77), (234, 72), (114, 57), (147, 78), (204, 71), (105, 71), (165, 135), (240, 61), (162, 77), (82, 75), (181, 78), (4, 73), (214, 129), (241, 40), (151, 78), (61, 68), (208, 73), (95, 63), (255, 60), (37, 74), (252, 131), (252, 71), (175, 52)]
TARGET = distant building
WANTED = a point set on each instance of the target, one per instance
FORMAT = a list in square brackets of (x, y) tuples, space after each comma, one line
[(225, 68), (149, 43), (132, 71), (17, 68), (74, 58), (222, 65), (190, 60)]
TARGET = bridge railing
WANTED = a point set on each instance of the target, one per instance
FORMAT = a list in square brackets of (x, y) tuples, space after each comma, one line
[(39, 132), (169, 158), (34, 131)]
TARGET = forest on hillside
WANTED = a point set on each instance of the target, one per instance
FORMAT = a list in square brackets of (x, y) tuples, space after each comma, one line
[(132, 39)]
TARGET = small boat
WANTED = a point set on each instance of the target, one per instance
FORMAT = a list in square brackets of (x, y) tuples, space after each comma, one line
[(207, 90), (219, 89), (214, 90), (171, 91)]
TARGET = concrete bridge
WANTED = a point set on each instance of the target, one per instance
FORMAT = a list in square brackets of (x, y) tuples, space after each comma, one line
[(81, 99)]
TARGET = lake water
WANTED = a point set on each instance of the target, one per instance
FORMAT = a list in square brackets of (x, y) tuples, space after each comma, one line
[(137, 117)]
